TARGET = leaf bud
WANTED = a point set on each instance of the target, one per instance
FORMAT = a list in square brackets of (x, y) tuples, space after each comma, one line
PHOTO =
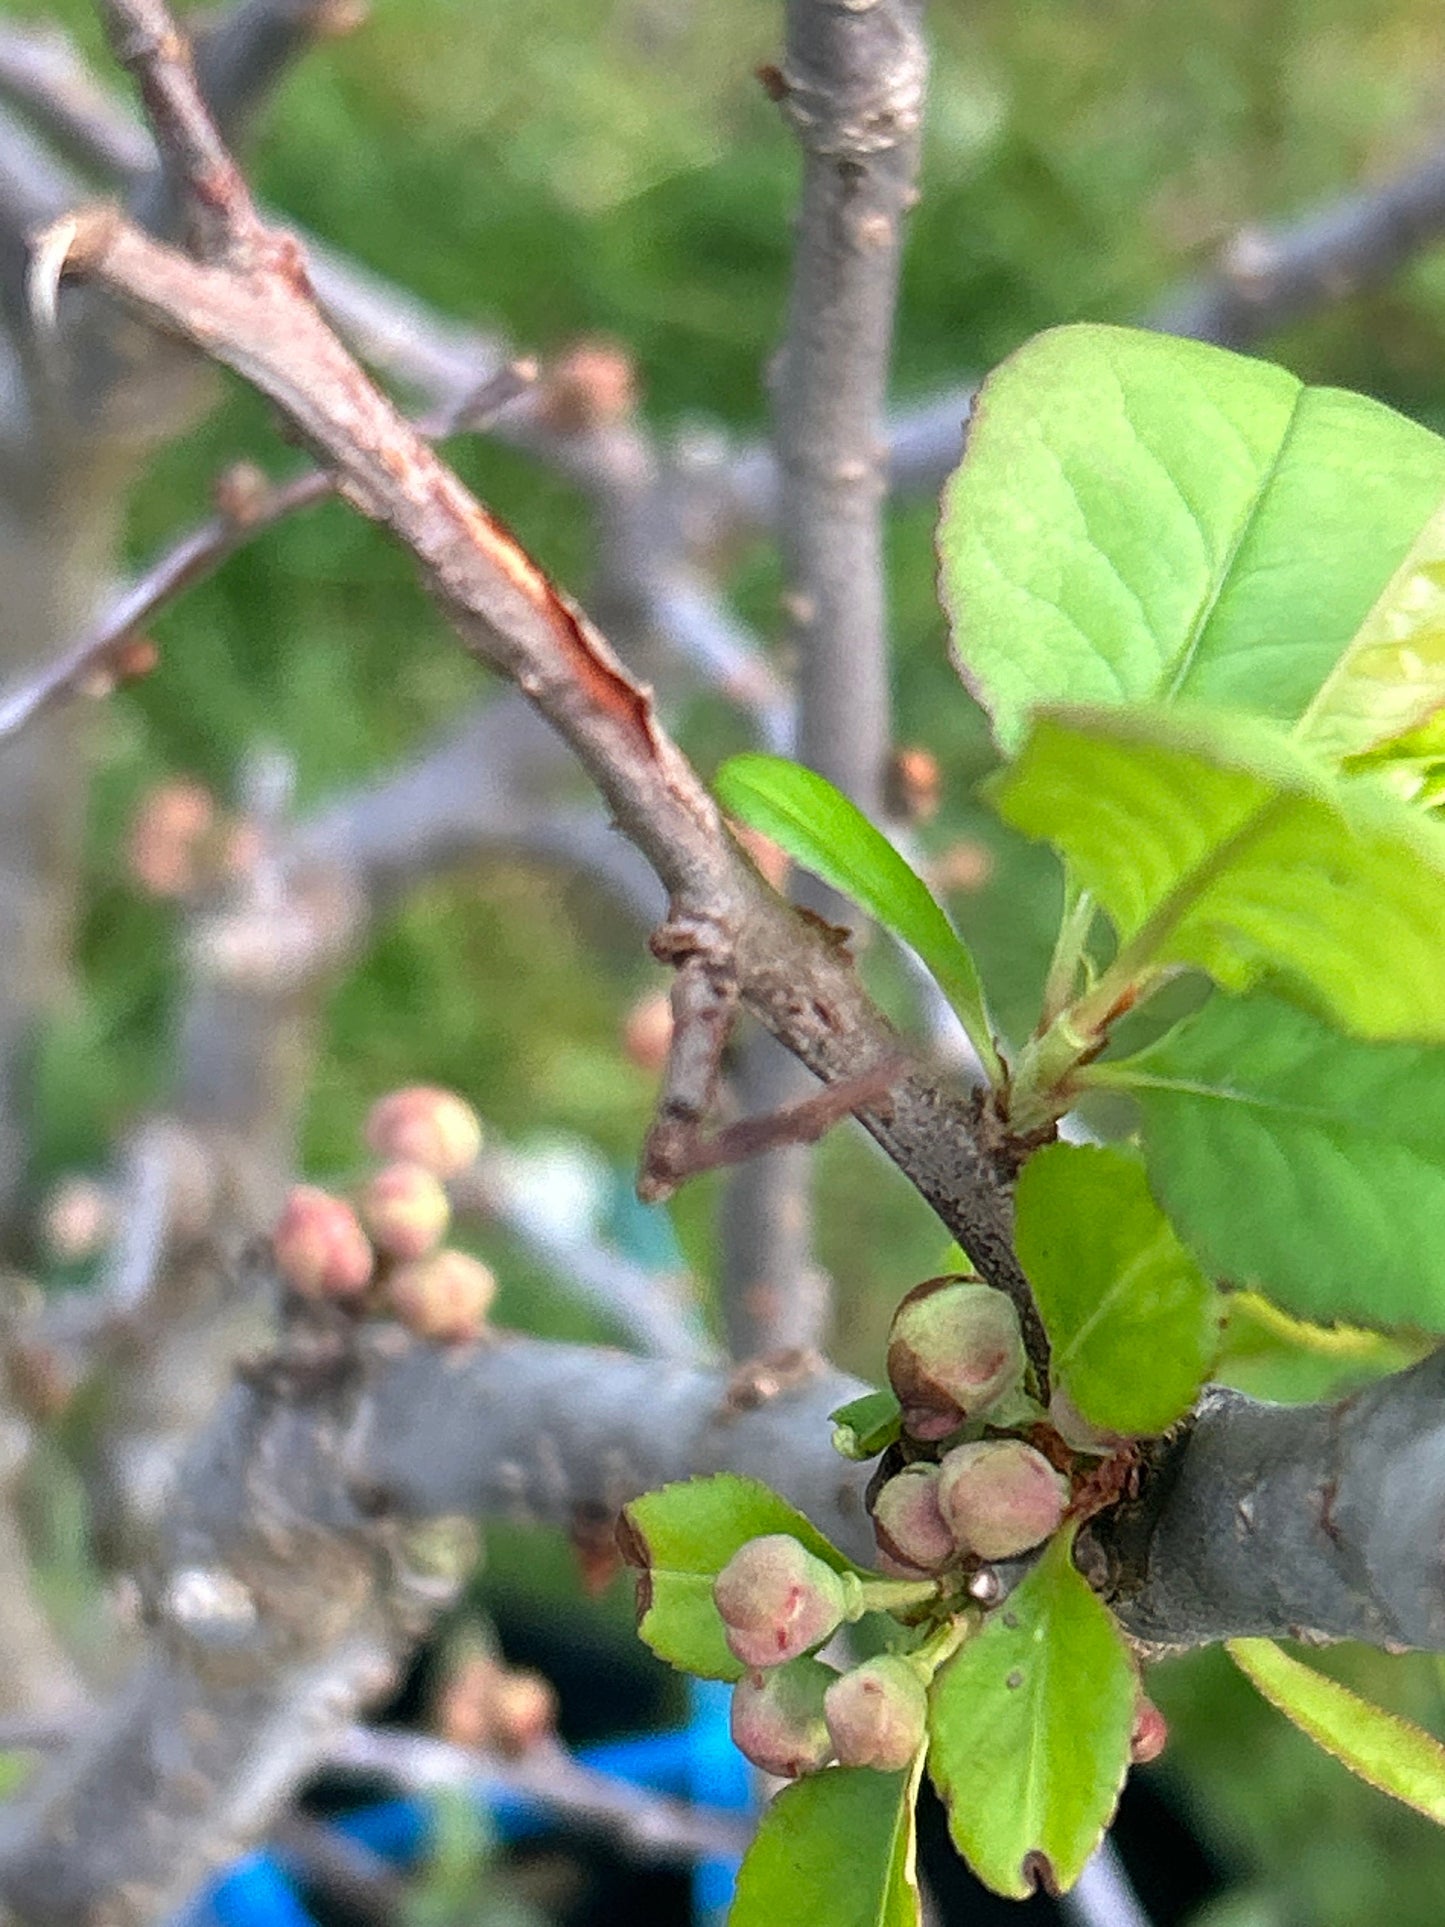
[(777, 1600), (907, 1523), (954, 1351), (445, 1296), (878, 1714), (406, 1210), (427, 1126), (777, 1718), (1001, 1497), (319, 1246)]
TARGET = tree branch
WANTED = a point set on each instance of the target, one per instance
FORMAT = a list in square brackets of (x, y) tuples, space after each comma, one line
[(256, 315)]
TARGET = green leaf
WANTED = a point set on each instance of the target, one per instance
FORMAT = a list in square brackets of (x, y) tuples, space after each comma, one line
[(1144, 519), (1029, 1727), (1133, 1321), (833, 1850), (1214, 842), (1305, 1163), (818, 827), (681, 1537), (1391, 1754), (1391, 679), (866, 1426)]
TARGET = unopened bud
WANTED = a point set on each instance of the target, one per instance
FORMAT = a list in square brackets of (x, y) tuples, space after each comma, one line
[(778, 1721), (445, 1296), (878, 1714), (915, 784), (406, 1211), (1150, 1735), (907, 1523), (593, 385), (777, 1600), (320, 1248), (165, 837), (1001, 1497), (426, 1126), (647, 1032), (79, 1219), (524, 1710), (954, 1350)]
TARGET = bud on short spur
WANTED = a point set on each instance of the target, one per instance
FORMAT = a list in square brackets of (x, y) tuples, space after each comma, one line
[(445, 1296), (954, 1350), (778, 1721), (909, 1528), (406, 1210), (1000, 1497), (776, 1600), (319, 1246), (426, 1126), (1150, 1735), (877, 1715)]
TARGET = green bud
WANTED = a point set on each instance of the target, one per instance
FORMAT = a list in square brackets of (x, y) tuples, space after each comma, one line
[(955, 1350), (778, 1721), (878, 1714)]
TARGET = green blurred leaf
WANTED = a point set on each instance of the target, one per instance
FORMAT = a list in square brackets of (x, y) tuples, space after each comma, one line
[(818, 827), (680, 1537), (1392, 1754), (833, 1850), (865, 1426), (1214, 842), (1305, 1163), (1139, 518), (1391, 679), (1029, 1727), (1133, 1322)]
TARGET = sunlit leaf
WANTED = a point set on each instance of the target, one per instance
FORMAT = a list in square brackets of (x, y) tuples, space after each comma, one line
[(866, 1425), (1214, 842), (1139, 519), (1391, 679)]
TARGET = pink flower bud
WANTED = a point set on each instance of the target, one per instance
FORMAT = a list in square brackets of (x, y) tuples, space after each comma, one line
[(166, 834), (777, 1600), (426, 1126), (320, 1248), (1001, 1497), (878, 1714), (406, 1211), (445, 1296), (955, 1349), (777, 1718), (907, 1523), (1150, 1735)]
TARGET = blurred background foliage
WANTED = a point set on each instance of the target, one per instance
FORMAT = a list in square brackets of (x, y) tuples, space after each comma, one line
[(561, 168)]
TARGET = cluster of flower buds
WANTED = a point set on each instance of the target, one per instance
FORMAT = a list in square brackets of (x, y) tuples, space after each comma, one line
[(488, 1706), (387, 1248), (791, 1714), (957, 1365), (182, 842)]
